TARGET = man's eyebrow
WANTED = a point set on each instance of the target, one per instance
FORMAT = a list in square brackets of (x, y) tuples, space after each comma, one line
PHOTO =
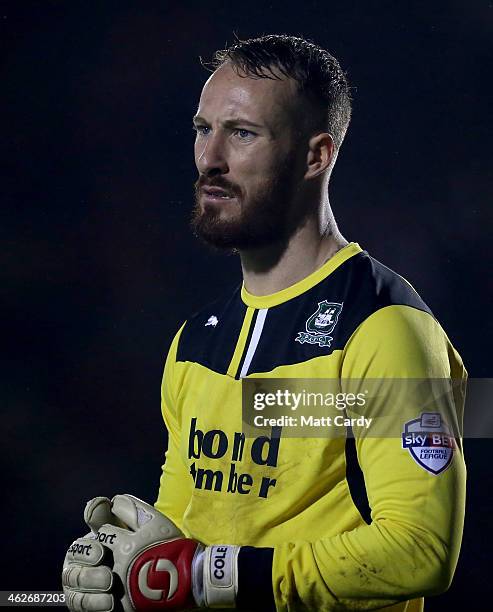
[(239, 121), (235, 121)]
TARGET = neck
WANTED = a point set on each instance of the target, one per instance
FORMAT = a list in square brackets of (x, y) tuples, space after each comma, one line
[(277, 267)]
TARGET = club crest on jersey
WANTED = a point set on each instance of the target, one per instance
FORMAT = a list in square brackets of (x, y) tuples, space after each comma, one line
[(429, 442), (321, 324)]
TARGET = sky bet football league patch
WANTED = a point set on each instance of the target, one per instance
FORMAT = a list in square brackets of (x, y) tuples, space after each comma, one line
[(429, 442)]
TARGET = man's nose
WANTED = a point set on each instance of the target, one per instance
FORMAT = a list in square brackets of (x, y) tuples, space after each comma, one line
[(211, 155)]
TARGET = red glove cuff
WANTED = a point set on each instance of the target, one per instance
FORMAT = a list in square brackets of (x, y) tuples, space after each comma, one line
[(160, 577)]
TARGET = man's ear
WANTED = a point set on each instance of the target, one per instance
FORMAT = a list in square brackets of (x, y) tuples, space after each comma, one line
[(321, 151)]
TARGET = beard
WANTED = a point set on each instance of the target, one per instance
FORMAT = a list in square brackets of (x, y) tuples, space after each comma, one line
[(261, 220)]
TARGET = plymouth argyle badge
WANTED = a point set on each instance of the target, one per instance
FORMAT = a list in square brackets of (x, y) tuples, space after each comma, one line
[(321, 324)]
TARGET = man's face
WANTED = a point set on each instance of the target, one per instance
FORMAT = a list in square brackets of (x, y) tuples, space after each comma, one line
[(249, 160)]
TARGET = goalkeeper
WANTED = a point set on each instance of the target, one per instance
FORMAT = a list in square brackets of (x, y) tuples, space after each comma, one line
[(275, 522)]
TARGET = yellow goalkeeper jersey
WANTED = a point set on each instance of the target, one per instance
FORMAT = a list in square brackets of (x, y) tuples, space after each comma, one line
[(333, 548)]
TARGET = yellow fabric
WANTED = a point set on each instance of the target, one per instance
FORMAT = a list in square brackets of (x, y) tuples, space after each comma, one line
[(325, 556)]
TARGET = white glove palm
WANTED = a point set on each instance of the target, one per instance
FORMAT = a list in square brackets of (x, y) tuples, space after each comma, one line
[(153, 566)]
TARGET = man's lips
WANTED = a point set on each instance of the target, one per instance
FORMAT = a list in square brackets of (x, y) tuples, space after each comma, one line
[(216, 193)]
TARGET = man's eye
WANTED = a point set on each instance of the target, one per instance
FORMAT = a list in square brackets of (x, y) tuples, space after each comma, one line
[(201, 129), (244, 133)]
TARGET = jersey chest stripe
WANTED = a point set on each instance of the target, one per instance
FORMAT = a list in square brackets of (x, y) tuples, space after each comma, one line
[(241, 343), (254, 340), (246, 345)]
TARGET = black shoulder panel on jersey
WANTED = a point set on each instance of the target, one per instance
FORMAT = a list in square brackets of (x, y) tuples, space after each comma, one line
[(209, 336), (355, 290)]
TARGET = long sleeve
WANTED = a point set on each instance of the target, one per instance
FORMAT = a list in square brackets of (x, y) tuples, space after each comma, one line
[(175, 483), (411, 547)]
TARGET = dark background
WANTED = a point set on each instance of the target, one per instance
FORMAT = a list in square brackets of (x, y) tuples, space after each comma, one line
[(99, 267)]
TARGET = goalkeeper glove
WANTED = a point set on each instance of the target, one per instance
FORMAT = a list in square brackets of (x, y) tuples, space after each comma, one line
[(153, 565)]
